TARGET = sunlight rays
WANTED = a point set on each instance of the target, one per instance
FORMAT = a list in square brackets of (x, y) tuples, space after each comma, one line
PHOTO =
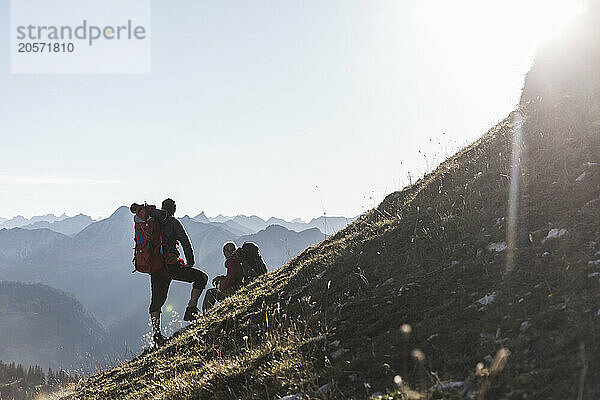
[(514, 192)]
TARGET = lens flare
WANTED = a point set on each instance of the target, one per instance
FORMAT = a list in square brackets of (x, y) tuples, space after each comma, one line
[(513, 191)]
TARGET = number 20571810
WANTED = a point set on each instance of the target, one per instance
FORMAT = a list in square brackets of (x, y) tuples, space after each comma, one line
[(46, 47)]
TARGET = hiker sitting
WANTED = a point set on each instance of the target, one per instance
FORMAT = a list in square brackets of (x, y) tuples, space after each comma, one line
[(174, 233), (253, 265), (225, 285)]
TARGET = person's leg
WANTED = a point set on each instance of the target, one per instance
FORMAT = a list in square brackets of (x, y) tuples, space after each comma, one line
[(159, 282), (198, 278), (191, 275), (210, 299), (188, 274)]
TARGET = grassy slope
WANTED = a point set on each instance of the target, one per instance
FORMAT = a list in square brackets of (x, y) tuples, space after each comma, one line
[(394, 266)]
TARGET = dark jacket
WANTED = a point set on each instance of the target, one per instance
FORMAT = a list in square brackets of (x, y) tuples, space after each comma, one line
[(233, 280), (173, 232)]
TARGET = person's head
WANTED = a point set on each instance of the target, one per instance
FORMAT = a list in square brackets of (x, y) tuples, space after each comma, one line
[(169, 207), (228, 249), (249, 251), (239, 254)]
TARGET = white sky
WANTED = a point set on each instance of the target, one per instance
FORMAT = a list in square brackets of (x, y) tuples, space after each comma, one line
[(269, 107)]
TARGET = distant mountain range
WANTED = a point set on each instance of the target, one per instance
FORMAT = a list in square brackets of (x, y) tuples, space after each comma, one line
[(45, 326), (239, 224), (69, 226), (20, 221), (253, 223), (64, 224), (22, 247), (95, 263)]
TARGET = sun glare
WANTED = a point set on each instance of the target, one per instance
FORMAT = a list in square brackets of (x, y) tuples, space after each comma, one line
[(549, 17), (488, 44), (529, 22)]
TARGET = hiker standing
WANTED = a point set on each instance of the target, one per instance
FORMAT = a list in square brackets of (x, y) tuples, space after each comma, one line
[(173, 233), (225, 285)]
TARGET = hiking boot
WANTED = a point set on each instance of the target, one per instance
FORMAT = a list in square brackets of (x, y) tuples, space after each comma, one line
[(159, 340), (191, 314), (194, 296)]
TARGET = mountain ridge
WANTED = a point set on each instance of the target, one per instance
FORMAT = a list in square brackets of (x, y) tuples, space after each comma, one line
[(29, 312), (19, 221), (239, 224), (69, 226)]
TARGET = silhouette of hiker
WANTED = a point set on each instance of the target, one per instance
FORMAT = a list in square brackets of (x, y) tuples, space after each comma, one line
[(252, 262), (173, 233), (225, 285)]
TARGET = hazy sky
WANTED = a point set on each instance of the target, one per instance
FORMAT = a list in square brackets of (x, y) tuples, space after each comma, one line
[(269, 107)]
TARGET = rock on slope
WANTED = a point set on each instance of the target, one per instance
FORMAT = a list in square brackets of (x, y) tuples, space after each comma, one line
[(432, 284)]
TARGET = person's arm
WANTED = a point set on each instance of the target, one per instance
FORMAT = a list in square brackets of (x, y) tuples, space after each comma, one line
[(217, 280), (184, 239), (234, 270)]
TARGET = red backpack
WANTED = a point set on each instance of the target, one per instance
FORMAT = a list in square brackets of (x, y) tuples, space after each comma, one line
[(148, 256)]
